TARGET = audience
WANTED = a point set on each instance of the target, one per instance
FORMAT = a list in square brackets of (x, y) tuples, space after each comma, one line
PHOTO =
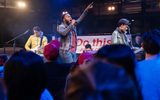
[(111, 73), (25, 77), (56, 72), (87, 48), (83, 58), (100, 81), (120, 55), (137, 42), (137, 47), (148, 71), (3, 59), (2, 90)]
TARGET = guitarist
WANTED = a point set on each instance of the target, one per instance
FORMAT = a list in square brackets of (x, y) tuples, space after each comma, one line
[(36, 42), (119, 35)]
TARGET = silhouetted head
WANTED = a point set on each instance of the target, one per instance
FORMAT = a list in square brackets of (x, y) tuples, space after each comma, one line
[(151, 42), (120, 55), (88, 47), (100, 81), (24, 76)]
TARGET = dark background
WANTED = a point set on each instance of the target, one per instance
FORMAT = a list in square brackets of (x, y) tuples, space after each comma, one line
[(143, 14)]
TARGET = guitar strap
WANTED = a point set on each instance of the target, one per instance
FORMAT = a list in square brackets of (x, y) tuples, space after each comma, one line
[(41, 41)]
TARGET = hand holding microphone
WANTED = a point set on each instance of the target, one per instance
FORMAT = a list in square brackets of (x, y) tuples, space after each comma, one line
[(73, 22)]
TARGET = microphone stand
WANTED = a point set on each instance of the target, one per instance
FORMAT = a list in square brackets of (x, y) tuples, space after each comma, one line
[(131, 43), (14, 40)]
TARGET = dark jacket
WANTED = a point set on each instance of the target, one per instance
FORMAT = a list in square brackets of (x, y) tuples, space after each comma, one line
[(56, 78)]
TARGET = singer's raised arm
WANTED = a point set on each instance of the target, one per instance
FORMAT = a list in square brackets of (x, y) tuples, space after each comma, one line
[(90, 6)]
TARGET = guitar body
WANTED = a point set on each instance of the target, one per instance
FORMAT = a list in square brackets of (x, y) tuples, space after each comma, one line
[(38, 50), (35, 49), (137, 50)]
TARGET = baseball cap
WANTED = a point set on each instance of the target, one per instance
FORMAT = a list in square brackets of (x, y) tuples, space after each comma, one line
[(51, 50), (123, 21), (55, 42), (64, 13)]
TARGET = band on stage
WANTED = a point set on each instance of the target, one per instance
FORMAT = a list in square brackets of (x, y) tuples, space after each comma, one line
[(68, 36)]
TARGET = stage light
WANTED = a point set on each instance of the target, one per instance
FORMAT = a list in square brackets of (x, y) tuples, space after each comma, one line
[(111, 8), (21, 4)]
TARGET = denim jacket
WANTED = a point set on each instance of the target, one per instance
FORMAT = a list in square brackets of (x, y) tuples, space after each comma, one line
[(119, 38)]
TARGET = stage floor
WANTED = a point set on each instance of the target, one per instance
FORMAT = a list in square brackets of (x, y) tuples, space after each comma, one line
[(9, 50)]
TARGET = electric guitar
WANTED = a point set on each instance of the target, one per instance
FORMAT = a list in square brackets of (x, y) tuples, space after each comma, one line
[(137, 50), (38, 50)]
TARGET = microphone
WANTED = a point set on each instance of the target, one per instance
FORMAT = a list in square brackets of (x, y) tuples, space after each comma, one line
[(128, 28), (129, 32), (75, 22), (18, 36), (26, 31)]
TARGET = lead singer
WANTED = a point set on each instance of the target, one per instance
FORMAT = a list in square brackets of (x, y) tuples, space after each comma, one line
[(68, 34)]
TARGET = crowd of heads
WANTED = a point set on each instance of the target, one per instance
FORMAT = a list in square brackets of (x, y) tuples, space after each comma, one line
[(107, 74)]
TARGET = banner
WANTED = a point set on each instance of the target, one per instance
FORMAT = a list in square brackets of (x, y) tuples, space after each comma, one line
[(95, 41)]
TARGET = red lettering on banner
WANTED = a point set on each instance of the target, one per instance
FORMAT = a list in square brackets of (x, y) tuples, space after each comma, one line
[(79, 42), (85, 42), (109, 42), (104, 41), (94, 42), (99, 42)]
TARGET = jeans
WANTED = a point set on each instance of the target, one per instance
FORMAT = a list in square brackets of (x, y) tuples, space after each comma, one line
[(67, 56)]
